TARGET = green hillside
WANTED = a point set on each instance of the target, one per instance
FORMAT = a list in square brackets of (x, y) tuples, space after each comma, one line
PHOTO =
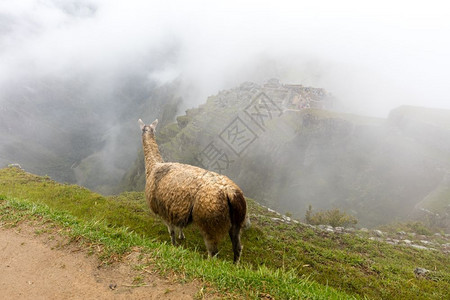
[(286, 260)]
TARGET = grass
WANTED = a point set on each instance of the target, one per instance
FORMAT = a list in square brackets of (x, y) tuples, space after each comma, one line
[(286, 261), (438, 200)]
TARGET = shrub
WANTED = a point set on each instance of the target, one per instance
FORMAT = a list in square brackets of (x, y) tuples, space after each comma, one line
[(333, 217)]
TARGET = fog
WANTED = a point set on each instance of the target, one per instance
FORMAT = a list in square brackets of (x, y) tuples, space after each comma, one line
[(107, 59), (372, 57)]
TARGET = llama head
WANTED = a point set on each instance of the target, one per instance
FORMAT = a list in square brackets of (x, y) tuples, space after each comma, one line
[(148, 128)]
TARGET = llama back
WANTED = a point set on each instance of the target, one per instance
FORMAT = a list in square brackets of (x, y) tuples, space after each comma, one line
[(193, 191), (170, 194)]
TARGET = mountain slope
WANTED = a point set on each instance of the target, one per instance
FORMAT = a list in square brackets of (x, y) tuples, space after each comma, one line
[(284, 259), (78, 130), (282, 146)]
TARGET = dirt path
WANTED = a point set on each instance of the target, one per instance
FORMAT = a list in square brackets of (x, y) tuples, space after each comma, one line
[(35, 267)]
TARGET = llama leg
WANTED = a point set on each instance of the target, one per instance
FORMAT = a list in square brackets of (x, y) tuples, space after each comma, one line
[(235, 236), (211, 246), (172, 234), (181, 234)]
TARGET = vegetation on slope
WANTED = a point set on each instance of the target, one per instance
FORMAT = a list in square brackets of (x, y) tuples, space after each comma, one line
[(283, 260)]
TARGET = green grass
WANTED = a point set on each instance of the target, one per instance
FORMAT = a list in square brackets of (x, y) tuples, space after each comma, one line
[(287, 261)]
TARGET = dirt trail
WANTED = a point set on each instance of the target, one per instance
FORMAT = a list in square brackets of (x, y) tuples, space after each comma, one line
[(34, 267)]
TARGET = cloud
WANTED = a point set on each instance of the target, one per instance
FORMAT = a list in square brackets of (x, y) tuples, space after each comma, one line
[(348, 47), (373, 56)]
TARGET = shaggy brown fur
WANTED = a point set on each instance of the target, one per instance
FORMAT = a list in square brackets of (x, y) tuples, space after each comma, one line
[(182, 194)]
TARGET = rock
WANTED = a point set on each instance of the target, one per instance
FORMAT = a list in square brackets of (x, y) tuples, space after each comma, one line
[(273, 211), (421, 272), (278, 220), (420, 247), (364, 229), (286, 218), (326, 227), (445, 248), (437, 234), (350, 230), (408, 242), (401, 233), (15, 165), (378, 232), (339, 229)]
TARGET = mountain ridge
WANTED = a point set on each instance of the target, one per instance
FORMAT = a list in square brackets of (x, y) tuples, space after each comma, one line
[(377, 169)]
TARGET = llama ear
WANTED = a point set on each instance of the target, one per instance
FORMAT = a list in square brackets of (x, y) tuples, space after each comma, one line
[(153, 125), (141, 124)]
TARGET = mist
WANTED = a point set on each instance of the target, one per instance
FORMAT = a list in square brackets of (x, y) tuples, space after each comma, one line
[(90, 67), (374, 57)]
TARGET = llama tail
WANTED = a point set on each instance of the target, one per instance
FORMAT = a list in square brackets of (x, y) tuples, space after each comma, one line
[(237, 206)]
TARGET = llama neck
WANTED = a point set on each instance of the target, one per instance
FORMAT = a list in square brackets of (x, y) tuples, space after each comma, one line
[(151, 152)]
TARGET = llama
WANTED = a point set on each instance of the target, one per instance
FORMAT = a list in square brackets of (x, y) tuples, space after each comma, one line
[(182, 194)]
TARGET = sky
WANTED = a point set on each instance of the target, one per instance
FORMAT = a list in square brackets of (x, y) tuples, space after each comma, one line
[(372, 56)]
